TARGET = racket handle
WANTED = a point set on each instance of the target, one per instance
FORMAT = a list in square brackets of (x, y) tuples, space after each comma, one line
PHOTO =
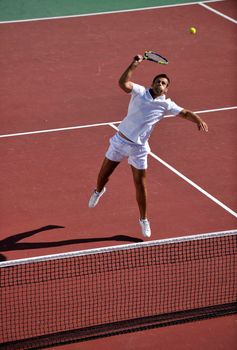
[(137, 58)]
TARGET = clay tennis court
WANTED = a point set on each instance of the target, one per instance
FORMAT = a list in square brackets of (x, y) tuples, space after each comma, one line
[(60, 104)]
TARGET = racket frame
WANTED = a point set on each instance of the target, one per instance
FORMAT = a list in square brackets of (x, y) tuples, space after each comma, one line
[(162, 61)]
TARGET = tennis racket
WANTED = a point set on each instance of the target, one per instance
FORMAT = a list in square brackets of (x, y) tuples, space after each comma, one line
[(154, 57)]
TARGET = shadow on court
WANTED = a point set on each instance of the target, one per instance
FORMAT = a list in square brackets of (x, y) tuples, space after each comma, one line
[(13, 242)]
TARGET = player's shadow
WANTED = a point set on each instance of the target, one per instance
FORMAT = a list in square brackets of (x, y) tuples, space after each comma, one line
[(13, 242)]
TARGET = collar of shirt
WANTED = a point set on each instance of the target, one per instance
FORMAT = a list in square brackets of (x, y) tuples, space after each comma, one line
[(159, 98)]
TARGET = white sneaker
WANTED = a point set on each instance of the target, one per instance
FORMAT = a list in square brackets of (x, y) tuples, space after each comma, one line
[(145, 225), (95, 197)]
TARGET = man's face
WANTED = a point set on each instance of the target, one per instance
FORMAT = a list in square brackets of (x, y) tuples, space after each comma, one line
[(160, 86)]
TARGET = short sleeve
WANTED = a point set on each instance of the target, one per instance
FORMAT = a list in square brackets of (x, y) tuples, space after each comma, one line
[(173, 108), (138, 89)]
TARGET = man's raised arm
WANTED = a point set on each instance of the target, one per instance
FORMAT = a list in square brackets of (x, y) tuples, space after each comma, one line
[(125, 80)]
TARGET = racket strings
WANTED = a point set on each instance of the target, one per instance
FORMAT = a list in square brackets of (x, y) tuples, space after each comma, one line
[(152, 56)]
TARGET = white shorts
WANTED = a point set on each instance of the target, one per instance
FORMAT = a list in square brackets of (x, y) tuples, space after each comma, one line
[(121, 148)]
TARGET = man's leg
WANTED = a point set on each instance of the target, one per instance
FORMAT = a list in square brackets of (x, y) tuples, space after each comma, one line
[(107, 168), (139, 178)]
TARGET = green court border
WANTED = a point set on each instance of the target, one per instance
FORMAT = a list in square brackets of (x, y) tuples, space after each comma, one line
[(15, 10)]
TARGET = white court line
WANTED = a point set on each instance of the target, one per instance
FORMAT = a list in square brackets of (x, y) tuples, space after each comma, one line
[(185, 178), (211, 110), (194, 185), (68, 128), (107, 12), (218, 13)]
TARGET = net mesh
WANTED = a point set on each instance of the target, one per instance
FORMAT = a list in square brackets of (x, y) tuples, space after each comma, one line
[(86, 294)]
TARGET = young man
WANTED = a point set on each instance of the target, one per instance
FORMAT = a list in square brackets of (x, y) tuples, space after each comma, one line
[(146, 107)]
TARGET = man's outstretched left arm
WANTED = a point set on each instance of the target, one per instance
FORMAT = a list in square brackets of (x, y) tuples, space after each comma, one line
[(193, 117)]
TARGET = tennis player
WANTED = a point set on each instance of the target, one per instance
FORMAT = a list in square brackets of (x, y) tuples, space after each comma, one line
[(147, 107)]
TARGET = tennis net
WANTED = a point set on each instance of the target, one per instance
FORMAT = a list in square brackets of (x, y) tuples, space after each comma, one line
[(87, 294)]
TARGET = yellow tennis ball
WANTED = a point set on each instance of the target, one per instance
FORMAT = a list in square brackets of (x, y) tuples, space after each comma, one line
[(192, 30)]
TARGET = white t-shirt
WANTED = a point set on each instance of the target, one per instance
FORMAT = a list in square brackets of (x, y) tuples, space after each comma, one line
[(144, 112)]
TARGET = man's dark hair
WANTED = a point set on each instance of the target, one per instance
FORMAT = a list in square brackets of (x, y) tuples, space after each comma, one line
[(163, 75)]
